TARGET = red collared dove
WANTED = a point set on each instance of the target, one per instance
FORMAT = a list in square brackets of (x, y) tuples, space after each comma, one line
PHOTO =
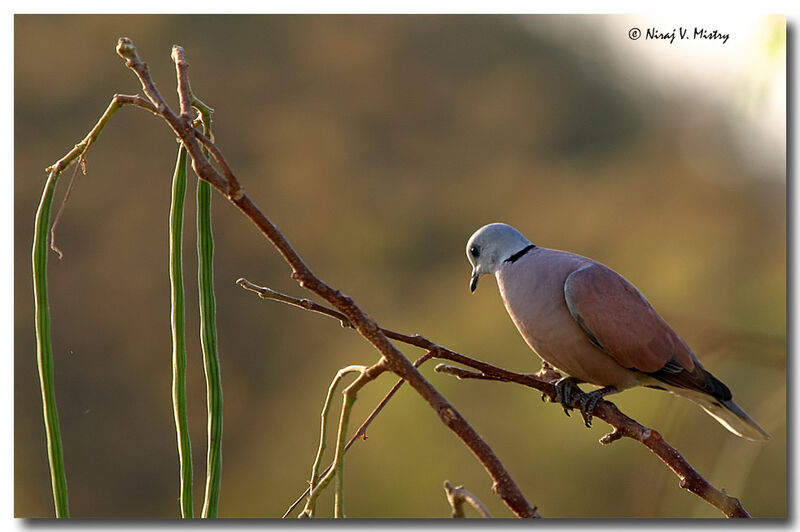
[(593, 325)]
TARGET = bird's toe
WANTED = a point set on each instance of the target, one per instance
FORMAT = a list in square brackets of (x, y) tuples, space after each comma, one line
[(567, 393), (588, 402)]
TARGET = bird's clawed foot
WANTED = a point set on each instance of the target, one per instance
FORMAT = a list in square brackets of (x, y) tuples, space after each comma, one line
[(567, 392), (588, 402), (570, 396)]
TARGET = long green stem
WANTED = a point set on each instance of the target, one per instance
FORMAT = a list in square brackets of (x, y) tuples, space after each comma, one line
[(44, 350), (178, 319), (208, 335)]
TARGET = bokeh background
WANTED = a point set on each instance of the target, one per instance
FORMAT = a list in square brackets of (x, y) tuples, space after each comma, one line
[(379, 144)]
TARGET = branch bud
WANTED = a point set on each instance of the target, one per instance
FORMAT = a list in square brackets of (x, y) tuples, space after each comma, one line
[(126, 49)]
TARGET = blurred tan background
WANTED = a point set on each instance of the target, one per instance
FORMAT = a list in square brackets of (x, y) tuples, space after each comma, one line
[(378, 144)]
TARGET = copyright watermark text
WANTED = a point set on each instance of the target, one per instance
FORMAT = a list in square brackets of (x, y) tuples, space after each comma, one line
[(679, 34)]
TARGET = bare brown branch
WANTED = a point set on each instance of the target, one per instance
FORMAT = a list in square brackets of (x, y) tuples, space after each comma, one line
[(182, 73), (234, 189), (623, 426), (183, 129), (461, 373), (503, 484)]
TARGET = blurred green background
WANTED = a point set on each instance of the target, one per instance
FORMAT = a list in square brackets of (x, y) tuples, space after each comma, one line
[(378, 144)]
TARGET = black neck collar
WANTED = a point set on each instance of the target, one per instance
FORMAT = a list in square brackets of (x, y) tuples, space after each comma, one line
[(519, 254)]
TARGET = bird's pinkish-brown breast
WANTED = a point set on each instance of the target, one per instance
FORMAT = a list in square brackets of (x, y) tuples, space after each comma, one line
[(532, 289)]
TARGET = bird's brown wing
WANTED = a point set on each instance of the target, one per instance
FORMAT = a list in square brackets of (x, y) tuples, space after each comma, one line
[(620, 321)]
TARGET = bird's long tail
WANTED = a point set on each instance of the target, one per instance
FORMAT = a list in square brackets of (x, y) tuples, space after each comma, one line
[(704, 389), (732, 417)]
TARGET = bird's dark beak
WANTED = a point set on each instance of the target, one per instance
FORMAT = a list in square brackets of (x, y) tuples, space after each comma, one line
[(473, 282)]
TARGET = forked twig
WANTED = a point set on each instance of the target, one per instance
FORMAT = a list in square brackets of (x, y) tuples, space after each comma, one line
[(336, 470), (361, 433), (323, 432)]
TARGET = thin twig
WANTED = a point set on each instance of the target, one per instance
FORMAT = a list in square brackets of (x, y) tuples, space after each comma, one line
[(323, 432), (361, 433), (119, 100), (623, 426), (305, 304), (82, 165), (457, 496), (350, 396), (367, 374), (461, 373)]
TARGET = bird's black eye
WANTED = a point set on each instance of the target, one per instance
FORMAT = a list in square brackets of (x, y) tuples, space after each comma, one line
[(474, 251)]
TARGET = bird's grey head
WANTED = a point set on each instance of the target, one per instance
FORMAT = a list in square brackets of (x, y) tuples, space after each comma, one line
[(490, 246)]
